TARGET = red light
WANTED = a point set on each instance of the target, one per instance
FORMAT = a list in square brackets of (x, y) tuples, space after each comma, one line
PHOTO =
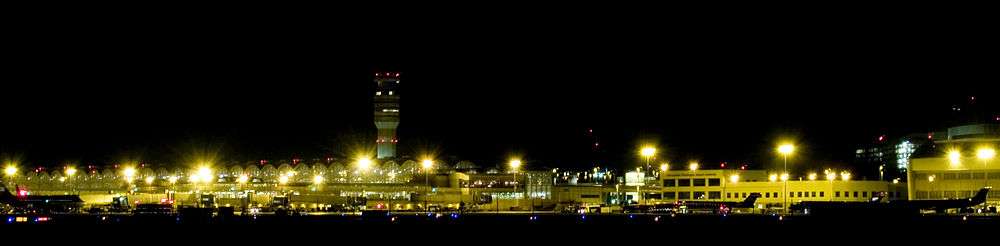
[(376, 74), (22, 193), (397, 74)]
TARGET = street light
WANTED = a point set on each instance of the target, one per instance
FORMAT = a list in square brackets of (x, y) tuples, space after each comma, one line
[(986, 154), (693, 166), (205, 174), (772, 177), (812, 176), (70, 171), (427, 164), (283, 180), (318, 179), (664, 167), (845, 176), (364, 163), (129, 173), (831, 176), (955, 157), (10, 170), (514, 165), (149, 180), (785, 150), (242, 179), (647, 154), (172, 180)]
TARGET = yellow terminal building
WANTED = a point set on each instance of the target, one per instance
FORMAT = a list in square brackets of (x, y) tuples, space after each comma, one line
[(777, 191), (958, 166)]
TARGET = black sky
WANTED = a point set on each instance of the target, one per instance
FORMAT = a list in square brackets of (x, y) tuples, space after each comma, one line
[(706, 91)]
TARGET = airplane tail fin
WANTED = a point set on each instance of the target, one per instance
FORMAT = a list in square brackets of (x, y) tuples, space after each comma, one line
[(980, 196), (749, 202), (5, 194)]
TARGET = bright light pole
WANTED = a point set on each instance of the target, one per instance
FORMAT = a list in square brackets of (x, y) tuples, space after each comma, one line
[(70, 172), (986, 154), (831, 176), (647, 154), (129, 173), (785, 150), (514, 165), (427, 165), (10, 171)]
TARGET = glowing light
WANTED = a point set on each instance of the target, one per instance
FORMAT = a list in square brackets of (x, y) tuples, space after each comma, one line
[(895, 181), (364, 163), (70, 171), (283, 179), (812, 176), (172, 179), (986, 154), (954, 157), (784, 177), (786, 149), (693, 166), (734, 178), (10, 170), (129, 172), (205, 174), (515, 164), (664, 167), (149, 180), (931, 178), (318, 179), (62, 179), (648, 152), (772, 177), (427, 164), (845, 176), (242, 179), (831, 176)]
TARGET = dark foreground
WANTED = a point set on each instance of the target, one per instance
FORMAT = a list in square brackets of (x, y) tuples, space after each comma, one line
[(496, 219)]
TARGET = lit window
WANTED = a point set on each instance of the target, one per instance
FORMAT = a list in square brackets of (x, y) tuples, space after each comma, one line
[(390, 93), (378, 93)]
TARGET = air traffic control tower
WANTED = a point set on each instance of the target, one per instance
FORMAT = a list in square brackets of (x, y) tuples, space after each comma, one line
[(386, 113)]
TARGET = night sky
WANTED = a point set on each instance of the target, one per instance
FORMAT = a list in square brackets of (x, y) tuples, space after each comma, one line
[(99, 95)]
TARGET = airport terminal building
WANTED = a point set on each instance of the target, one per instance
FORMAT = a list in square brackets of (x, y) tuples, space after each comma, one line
[(736, 185), (958, 166)]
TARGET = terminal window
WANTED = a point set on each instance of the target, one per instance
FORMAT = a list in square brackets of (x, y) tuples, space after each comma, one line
[(684, 195), (699, 195), (683, 182), (669, 182), (855, 194), (669, 195), (713, 182), (767, 195), (775, 195), (699, 182), (812, 194), (743, 195), (820, 194), (714, 195), (800, 194), (729, 195), (791, 194), (836, 194)]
